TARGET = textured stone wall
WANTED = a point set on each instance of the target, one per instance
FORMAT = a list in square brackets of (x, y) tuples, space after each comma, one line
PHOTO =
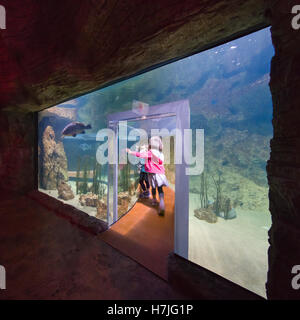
[(284, 165), (17, 139), (53, 50)]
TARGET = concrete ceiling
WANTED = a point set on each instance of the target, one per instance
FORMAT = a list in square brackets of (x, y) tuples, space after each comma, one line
[(53, 50)]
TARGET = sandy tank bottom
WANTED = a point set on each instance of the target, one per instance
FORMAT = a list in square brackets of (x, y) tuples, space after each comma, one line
[(91, 211), (235, 249)]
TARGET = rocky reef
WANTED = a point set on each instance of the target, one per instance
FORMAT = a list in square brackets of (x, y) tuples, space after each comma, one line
[(53, 161), (92, 200), (88, 199), (65, 191), (206, 214), (53, 164)]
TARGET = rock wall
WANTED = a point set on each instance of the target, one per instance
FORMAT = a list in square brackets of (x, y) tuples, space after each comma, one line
[(284, 165), (53, 165), (17, 140), (43, 63), (53, 161), (53, 50)]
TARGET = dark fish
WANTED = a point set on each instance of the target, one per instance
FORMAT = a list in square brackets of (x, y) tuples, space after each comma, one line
[(75, 128)]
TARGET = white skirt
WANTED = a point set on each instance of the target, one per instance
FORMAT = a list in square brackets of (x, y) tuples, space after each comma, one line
[(157, 180)]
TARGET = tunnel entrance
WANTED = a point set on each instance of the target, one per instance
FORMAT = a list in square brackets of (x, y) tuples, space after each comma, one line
[(223, 91), (146, 236)]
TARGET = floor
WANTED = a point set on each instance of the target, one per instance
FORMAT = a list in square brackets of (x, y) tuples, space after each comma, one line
[(48, 258), (144, 235)]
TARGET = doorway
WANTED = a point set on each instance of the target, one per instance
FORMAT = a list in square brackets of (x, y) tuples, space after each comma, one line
[(135, 227)]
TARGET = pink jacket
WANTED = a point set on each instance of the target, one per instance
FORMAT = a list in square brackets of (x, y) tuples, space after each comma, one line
[(154, 161)]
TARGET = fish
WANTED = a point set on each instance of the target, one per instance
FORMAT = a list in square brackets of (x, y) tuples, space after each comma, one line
[(74, 128), (85, 147)]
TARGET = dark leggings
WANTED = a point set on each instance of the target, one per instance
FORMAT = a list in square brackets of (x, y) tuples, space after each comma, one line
[(144, 181), (160, 191)]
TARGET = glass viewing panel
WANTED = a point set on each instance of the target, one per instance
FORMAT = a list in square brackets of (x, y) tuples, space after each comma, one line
[(228, 93)]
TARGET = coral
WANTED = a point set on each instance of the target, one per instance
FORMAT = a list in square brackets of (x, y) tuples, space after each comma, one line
[(206, 214), (101, 210), (65, 191), (89, 200)]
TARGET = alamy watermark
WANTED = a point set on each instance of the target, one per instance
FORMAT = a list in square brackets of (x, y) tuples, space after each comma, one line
[(296, 279), (2, 18), (113, 146), (2, 278), (296, 19)]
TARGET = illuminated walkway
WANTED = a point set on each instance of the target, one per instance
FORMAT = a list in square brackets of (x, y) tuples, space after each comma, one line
[(145, 236)]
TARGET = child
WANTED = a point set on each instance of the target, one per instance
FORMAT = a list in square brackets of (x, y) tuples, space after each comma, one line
[(156, 171), (144, 181)]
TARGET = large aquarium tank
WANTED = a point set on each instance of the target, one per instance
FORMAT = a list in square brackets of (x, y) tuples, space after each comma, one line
[(227, 88)]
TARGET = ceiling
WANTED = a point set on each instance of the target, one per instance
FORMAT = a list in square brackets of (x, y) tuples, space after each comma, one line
[(54, 50)]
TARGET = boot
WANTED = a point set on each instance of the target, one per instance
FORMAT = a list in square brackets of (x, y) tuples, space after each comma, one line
[(147, 194), (161, 210)]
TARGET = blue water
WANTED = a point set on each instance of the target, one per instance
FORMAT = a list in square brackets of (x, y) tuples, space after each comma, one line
[(228, 91)]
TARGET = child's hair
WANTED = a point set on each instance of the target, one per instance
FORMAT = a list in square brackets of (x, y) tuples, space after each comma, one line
[(142, 146), (155, 143)]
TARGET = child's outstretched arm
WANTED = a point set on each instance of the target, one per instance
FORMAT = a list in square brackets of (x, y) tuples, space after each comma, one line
[(143, 155)]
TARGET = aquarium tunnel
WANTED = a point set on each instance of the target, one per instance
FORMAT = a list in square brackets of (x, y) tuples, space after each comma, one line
[(217, 218)]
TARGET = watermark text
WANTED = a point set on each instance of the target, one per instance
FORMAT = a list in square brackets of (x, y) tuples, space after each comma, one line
[(188, 146), (296, 18), (2, 18), (296, 279), (2, 278)]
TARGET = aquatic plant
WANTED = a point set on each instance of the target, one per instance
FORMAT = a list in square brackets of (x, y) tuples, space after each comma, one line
[(222, 203), (94, 177), (84, 184), (227, 208), (203, 191), (124, 178), (98, 180), (95, 184), (218, 201), (78, 175), (128, 175), (101, 191), (98, 187)]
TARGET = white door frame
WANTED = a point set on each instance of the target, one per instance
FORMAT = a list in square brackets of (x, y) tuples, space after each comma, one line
[(181, 110)]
